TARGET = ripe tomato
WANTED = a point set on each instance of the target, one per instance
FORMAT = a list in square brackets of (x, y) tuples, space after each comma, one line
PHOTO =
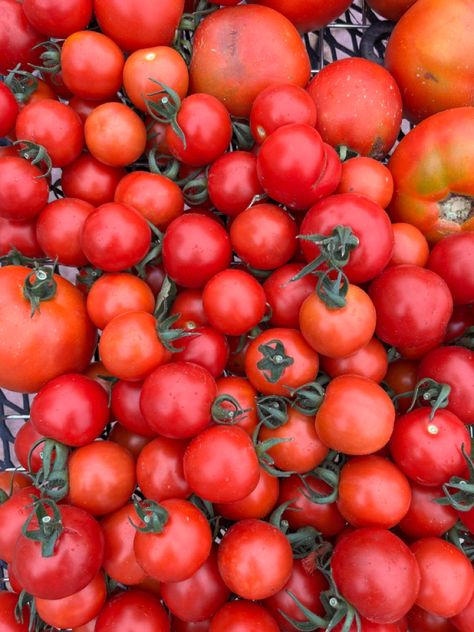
[(258, 504), (132, 441), (241, 390), (17, 37), (463, 620), (34, 349), (426, 517), (450, 258), (356, 416), (180, 548), (392, 10), (420, 620), (208, 348), (391, 578), (285, 296), (90, 180), (125, 403), (160, 473), (370, 361), (447, 577), (8, 110), (237, 54), (133, 610), (25, 193), (20, 235), (13, 512), (410, 246), (30, 459), (54, 20), (240, 615), (368, 177), (115, 134), (13, 481), (401, 377), (255, 559), (343, 91), (308, 15), (233, 182), (8, 618)]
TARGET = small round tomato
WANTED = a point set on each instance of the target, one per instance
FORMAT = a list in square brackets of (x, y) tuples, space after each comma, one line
[(426, 517), (207, 347), (90, 180), (133, 610), (239, 615), (286, 296), (129, 440), (30, 458), (125, 404), (189, 309), (401, 377), (160, 473), (8, 110), (20, 235), (258, 504), (368, 177), (410, 246), (369, 361), (450, 259), (356, 416), (8, 602), (25, 192), (233, 183)]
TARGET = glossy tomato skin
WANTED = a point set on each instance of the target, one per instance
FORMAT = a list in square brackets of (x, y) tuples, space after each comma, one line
[(308, 15), (208, 348), (17, 37), (425, 517), (285, 296), (233, 182), (8, 109), (391, 578), (125, 404), (447, 577), (401, 377), (90, 180), (70, 341), (463, 620), (343, 91), (160, 473), (369, 361), (54, 20), (367, 177), (240, 615), (369, 223), (451, 258), (132, 610), (258, 504), (237, 54), (25, 193), (132, 441), (410, 246), (20, 235), (429, 450), (80, 546), (14, 512), (413, 306), (255, 559), (9, 623), (190, 626)]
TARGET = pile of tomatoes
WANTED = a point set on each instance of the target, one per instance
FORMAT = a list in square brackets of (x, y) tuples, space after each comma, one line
[(244, 314)]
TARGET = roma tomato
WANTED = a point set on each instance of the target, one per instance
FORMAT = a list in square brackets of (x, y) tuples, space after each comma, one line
[(451, 258), (410, 246), (368, 177), (233, 183), (125, 404), (425, 517), (370, 361), (240, 615), (58, 20), (8, 110), (25, 192), (17, 37), (90, 180), (286, 296), (132, 610), (308, 15), (258, 504), (160, 473), (20, 235)]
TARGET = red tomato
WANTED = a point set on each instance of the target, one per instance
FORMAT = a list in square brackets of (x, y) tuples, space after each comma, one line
[(258, 504), (426, 517), (369, 361), (13, 481), (17, 37), (241, 390), (25, 193), (392, 10), (90, 180), (463, 620), (422, 621), (450, 259), (368, 177), (255, 559), (13, 512), (240, 616), (285, 296), (410, 246), (8, 110), (188, 306), (20, 235), (160, 473), (233, 182), (133, 610), (208, 348), (401, 377), (125, 403), (132, 441), (377, 573), (308, 15), (29, 458), (8, 618), (58, 20)]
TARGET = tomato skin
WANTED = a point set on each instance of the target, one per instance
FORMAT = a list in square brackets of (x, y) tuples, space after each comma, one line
[(342, 421), (234, 302), (133, 610), (341, 106), (55, 126), (25, 438), (20, 235), (447, 577), (54, 20), (258, 504), (195, 248), (237, 54), (176, 399), (208, 348), (233, 182), (367, 177), (139, 23), (8, 109), (90, 180), (190, 626), (9, 623), (413, 306), (255, 559), (463, 620), (103, 463), (369, 361), (410, 246), (308, 15), (67, 347), (76, 609), (17, 37), (125, 404), (450, 258), (160, 473), (401, 377), (425, 517), (337, 333), (285, 297), (422, 621), (80, 546), (453, 366), (390, 571), (237, 616), (71, 408), (24, 192), (391, 9), (161, 554), (429, 450), (132, 441), (14, 512)]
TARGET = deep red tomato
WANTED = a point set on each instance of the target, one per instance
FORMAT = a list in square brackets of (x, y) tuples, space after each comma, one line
[(133, 610), (30, 459), (84, 107), (258, 504), (240, 616), (285, 296), (420, 620), (25, 193), (125, 403), (401, 377), (190, 626), (208, 348), (410, 246), (188, 306), (447, 577), (195, 248), (463, 620), (8, 620), (392, 10), (20, 235), (160, 473), (132, 441), (55, 20), (255, 559), (450, 259), (71, 408), (90, 180), (13, 513), (369, 361), (391, 578), (459, 323), (17, 37), (426, 517), (8, 110), (368, 177), (308, 15)]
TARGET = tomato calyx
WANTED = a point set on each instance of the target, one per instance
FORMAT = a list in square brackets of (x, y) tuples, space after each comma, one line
[(39, 286), (22, 83), (272, 410), (308, 398), (153, 516), (275, 417), (456, 208), (154, 254), (195, 190), (241, 135), (166, 109), (463, 539), (334, 249), (36, 154), (49, 526), (427, 392), (274, 360), (50, 58), (459, 492), (226, 410), (52, 479), (168, 334)]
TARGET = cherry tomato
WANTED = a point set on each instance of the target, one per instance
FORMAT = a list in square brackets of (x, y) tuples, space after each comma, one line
[(450, 258), (55, 20), (370, 361), (367, 177), (29, 458), (208, 348), (9, 621), (233, 182), (426, 517), (160, 473), (20, 235), (125, 403), (8, 110), (240, 615), (133, 610), (25, 193), (132, 441), (90, 180), (17, 38), (258, 504), (243, 391), (189, 308), (285, 296), (401, 377), (410, 246), (13, 512)]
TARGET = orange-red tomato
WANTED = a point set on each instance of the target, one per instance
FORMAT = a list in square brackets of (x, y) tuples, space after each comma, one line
[(369, 361), (368, 177)]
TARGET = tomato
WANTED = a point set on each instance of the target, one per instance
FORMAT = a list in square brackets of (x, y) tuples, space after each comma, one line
[(453, 366), (337, 333), (132, 441), (115, 237), (125, 403), (120, 562), (373, 492), (429, 450), (369, 361), (460, 321), (139, 23), (431, 170), (431, 80), (115, 134), (221, 465), (368, 177), (391, 578), (450, 259), (369, 223), (240, 616), (188, 306), (422, 621), (80, 545), (24, 192), (17, 37), (55, 126), (258, 504), (237, 54), (342, 93), (208, 348), (180, 597), (12, 481), (401, 377), (176, 399), (302, 512), (195, 248), (308, 15), (20, 235), (8, 109), (8, 619), (279, 360), (447, 577), (463, 620), (47, 17), (190, 626), (160, 473), (132, 610), (255, 559), (87, 627), (102, 464), (285, 296), (76, 609), (116, 293), (30, 459), (243, 391), (180, 549), (426, 517), (410, 246), (391, 9), (14, 511), (71, 408), (413, 306), (34, 349), (90, 180), (234, 302), (369, 626), (233, 182), (290, 165), (356, 416), (59, 228), (155, 276), (147, 66)]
